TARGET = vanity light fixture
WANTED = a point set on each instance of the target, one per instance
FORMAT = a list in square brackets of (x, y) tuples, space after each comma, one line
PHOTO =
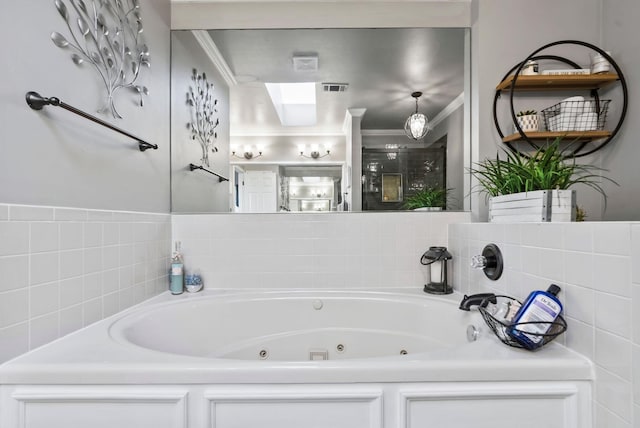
[(417, 125), (248, 153), (315, 152)]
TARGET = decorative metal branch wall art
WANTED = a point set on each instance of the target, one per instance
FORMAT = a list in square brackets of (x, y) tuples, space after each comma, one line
[(204, 120), (107, 34)]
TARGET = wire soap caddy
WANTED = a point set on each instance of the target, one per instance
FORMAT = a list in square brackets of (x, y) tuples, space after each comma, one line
[(538, 333)]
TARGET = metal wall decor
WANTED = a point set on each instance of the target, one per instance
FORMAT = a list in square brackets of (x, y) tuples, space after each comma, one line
[(108, 35), (203, 114)]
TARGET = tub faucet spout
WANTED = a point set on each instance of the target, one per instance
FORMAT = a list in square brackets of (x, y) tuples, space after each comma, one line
[(482, 299)]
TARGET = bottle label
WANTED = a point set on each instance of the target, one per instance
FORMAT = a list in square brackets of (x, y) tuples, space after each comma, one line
[(541, 312), (176, 270)]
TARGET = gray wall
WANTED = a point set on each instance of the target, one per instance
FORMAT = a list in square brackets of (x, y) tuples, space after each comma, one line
[(54, 157), (196, 191), (453, 128), (504, 32), (87, 257), (619, 33)]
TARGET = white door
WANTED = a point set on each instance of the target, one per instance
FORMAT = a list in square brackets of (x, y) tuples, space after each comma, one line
[(237, 203), (260, 192)]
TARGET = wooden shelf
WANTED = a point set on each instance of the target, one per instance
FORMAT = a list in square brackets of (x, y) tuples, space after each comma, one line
[(558, 82), (565, 135)]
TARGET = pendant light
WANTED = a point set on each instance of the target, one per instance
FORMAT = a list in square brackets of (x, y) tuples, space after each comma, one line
[(417, 125)]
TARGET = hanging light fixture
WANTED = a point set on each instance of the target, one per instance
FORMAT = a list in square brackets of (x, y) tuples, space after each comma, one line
[(417, 125)]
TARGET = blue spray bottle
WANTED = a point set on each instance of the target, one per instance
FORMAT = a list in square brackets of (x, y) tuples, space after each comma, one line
[(541, 308), (177, 272)]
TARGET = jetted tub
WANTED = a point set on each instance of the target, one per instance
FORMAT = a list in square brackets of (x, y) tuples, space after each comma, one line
[(225, 359), (297, 327)]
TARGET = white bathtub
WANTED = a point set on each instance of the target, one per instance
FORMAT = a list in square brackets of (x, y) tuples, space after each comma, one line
[(297, 327), (289, 359)]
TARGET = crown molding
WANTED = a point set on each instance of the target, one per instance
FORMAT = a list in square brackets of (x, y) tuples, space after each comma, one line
[(446, 112), (212, 51)]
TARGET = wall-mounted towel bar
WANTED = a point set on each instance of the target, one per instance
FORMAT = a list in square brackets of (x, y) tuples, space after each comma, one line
[(220, 178), (37, 101)]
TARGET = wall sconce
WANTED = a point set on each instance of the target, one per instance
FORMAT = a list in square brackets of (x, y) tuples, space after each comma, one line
[(315, 152), (248, 153)]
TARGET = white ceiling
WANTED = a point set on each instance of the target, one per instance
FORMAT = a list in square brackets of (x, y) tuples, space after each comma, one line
[(382, 67)]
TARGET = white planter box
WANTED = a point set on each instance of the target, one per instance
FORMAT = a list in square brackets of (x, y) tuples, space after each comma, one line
[(538, 206)]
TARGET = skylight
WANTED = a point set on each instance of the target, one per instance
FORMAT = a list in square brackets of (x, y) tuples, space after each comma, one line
[(295, 103)]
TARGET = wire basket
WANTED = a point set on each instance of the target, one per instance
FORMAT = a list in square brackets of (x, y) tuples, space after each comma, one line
[(584, 115), (502, 328)]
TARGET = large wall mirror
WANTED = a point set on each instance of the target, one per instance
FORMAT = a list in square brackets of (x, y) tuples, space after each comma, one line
[(313, 120)]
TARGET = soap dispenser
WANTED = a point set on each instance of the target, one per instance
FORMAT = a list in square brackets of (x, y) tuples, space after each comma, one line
[(177, 271)]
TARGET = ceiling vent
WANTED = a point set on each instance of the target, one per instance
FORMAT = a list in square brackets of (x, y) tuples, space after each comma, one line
[(335, 87), (305, 63)]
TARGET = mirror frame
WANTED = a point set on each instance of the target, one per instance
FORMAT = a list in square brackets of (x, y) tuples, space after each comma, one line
[(271, 14)]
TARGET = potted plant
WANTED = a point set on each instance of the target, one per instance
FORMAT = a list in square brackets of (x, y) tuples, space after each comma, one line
[(428, 199), (527, 120), (535, 187)]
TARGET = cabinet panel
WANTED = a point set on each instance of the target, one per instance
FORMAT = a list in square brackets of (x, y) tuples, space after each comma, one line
[(505, 406), (486, 413), (294, 409), (64, 408)]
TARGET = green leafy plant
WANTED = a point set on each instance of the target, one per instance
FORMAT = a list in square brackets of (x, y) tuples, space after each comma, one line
[(526, 113), (548, 168), (427, 197)]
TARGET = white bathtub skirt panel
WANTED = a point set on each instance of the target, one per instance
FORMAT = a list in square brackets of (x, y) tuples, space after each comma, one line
[(451, 405)]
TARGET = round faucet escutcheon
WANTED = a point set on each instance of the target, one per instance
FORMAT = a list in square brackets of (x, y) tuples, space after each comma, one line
[(490, 261)]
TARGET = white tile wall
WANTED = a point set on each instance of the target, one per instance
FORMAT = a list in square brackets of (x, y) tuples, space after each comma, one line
[(597, 265), (64, 268), (350, 250)]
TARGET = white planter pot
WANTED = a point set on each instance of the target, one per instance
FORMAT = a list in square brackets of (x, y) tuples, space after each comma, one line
[(538, 206), (528, 123)]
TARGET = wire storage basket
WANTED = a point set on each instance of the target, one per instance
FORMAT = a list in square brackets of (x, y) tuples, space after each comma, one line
[(576, 115), (503, 329)]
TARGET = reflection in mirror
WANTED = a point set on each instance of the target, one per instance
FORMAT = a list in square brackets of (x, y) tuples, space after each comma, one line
[(391, 188), (313, 119), (418, 168)]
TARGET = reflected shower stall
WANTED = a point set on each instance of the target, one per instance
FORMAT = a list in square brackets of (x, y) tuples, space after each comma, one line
[(391, 175)]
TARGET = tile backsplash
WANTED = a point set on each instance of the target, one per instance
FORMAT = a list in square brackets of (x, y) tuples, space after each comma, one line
[(597, 265), (65, 268), (339, 250)]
